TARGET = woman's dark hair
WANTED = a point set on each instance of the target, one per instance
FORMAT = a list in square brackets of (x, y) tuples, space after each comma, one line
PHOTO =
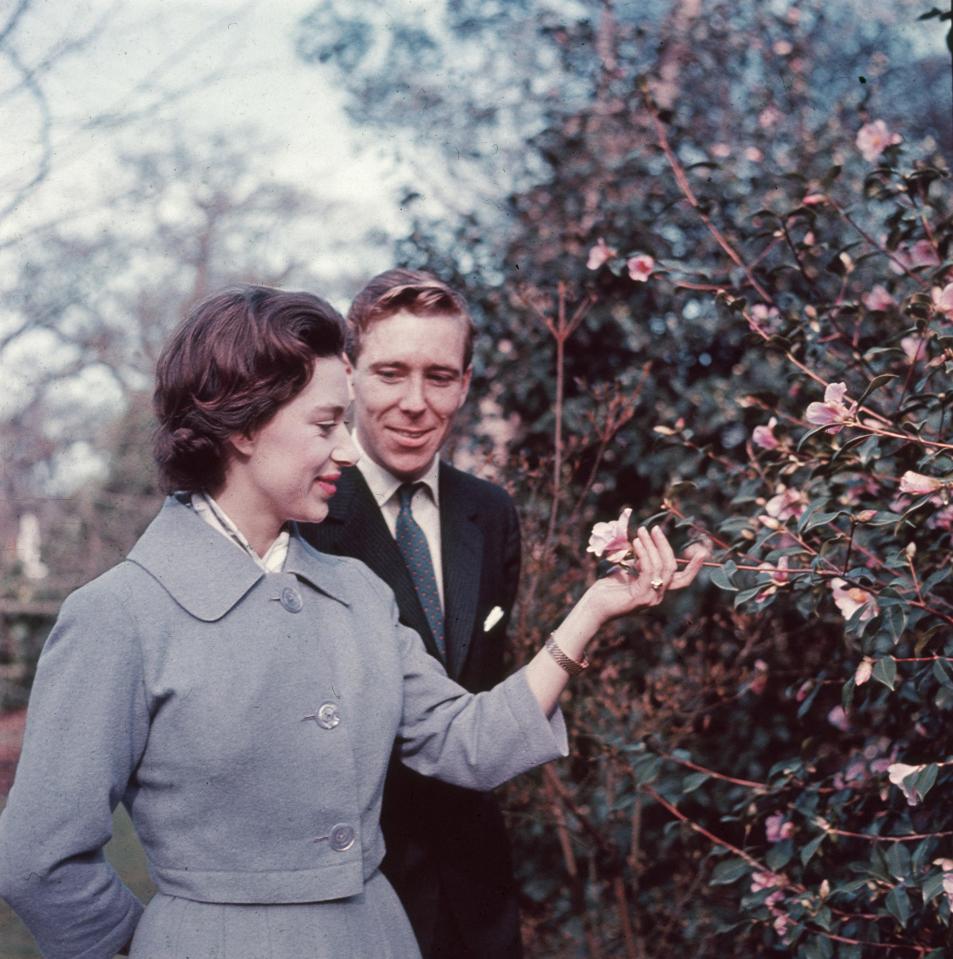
[(239, 356)]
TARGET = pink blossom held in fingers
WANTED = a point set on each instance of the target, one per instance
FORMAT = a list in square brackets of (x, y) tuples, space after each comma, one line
[(943, 300), (787, 503), (764, 437), (778, 828), (611, 539), (878, 298), (850, 599), (918, 484), (873, 138), (599, 254), (833, 412), (640, 267)]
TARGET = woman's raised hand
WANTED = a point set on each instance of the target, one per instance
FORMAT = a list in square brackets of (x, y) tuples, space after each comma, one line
[(622, 592)]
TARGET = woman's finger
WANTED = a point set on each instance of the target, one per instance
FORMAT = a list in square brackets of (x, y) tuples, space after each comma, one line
[(696, 555), (648, 570), (669, 563)]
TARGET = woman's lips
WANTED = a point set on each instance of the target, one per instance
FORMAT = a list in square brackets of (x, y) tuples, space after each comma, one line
[(328, 484)]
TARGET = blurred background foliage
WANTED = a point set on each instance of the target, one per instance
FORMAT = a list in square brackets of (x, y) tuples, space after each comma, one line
[(729, 792)]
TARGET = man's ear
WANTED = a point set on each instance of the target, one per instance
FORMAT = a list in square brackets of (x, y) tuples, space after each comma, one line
[(467, 376)]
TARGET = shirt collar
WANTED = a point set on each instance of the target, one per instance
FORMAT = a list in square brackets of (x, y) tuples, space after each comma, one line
[(383, 484), (217, 518)]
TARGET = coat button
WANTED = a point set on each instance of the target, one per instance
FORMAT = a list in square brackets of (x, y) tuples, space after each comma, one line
[(328, 716), (342, 837), (291, 600)]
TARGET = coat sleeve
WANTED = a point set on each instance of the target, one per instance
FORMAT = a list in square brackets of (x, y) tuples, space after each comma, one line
[(87, 725), (474, 740)]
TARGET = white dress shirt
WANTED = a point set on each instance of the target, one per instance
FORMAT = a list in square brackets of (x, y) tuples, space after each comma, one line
[(425, 504)]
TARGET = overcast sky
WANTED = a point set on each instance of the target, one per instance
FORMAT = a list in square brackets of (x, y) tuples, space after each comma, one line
[(237, 65)]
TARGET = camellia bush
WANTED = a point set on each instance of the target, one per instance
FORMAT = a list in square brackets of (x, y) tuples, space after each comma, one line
[(762, 767)]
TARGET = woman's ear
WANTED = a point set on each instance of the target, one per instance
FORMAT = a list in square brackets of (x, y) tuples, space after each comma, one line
[(242, 443)]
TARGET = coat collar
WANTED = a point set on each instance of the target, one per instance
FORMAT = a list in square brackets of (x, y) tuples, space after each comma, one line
[(207, 575)]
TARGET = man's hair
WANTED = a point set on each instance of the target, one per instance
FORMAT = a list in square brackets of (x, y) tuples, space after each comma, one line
[(411, 291), (238, 357)]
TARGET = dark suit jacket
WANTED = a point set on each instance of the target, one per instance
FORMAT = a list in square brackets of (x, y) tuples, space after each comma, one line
[(446, 847)]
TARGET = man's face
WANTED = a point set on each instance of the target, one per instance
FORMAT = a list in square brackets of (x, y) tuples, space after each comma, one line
[(409, 382)]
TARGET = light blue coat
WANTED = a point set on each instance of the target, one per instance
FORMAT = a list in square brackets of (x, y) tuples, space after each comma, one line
[(245, 719)]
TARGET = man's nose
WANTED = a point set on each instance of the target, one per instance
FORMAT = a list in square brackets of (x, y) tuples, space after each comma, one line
[(413, 398)]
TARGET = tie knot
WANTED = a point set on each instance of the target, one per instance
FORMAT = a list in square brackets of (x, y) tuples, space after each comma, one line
[(406, 493)]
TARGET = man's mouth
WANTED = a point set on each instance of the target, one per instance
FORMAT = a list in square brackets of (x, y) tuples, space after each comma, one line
[(411, 436)]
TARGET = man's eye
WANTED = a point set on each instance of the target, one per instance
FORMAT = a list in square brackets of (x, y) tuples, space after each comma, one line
[(388, 375)]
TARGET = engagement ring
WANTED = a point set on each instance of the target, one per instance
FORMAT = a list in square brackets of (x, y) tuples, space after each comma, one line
[(656, 584)]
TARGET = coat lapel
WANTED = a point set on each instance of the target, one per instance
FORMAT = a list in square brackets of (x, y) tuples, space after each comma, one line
[(461, 541), (355, 527)]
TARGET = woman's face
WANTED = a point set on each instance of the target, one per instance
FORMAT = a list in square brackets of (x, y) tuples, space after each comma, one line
[(288, 468)]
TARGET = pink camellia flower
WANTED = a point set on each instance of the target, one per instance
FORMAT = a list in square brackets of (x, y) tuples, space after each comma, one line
[(720, 150), (640, 267), (833, 412), (779, 577), (753, 154), (764, 317), (918, 484), (786, 504), (849, 599), (599, 254), (765, 880), (897, 773), (864, 671), (814, 199), (768, 117), (839, 719), (878, 298), (914, 257), (874, 138), (914, 348), (764, 437), (612, 539), (777, 828), (943, 300)]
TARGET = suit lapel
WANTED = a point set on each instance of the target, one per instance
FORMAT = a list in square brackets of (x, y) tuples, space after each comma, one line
[(461, 540), (355, 527)]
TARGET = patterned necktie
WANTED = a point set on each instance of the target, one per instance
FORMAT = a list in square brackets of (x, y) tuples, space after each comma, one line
[(413, 546)]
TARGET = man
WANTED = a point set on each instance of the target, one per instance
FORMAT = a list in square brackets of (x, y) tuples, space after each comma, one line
[(448, 545)]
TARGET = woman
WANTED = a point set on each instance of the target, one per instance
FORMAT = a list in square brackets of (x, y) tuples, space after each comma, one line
[(241, 693)]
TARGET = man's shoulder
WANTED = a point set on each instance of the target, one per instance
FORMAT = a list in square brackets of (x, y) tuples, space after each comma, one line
[(456, 482)]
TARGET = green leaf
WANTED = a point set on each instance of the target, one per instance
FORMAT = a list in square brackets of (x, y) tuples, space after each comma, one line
[(646, 769), (924, 780), (943, 673), (898, 859), (898, 904), (779, 855), (932, 886), (729, 871), (875, 384), (721, 578), (693, 781), (807, 853), (885, 671)]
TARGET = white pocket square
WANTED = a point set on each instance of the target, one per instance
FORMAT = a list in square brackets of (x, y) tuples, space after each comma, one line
[(492, 618)]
